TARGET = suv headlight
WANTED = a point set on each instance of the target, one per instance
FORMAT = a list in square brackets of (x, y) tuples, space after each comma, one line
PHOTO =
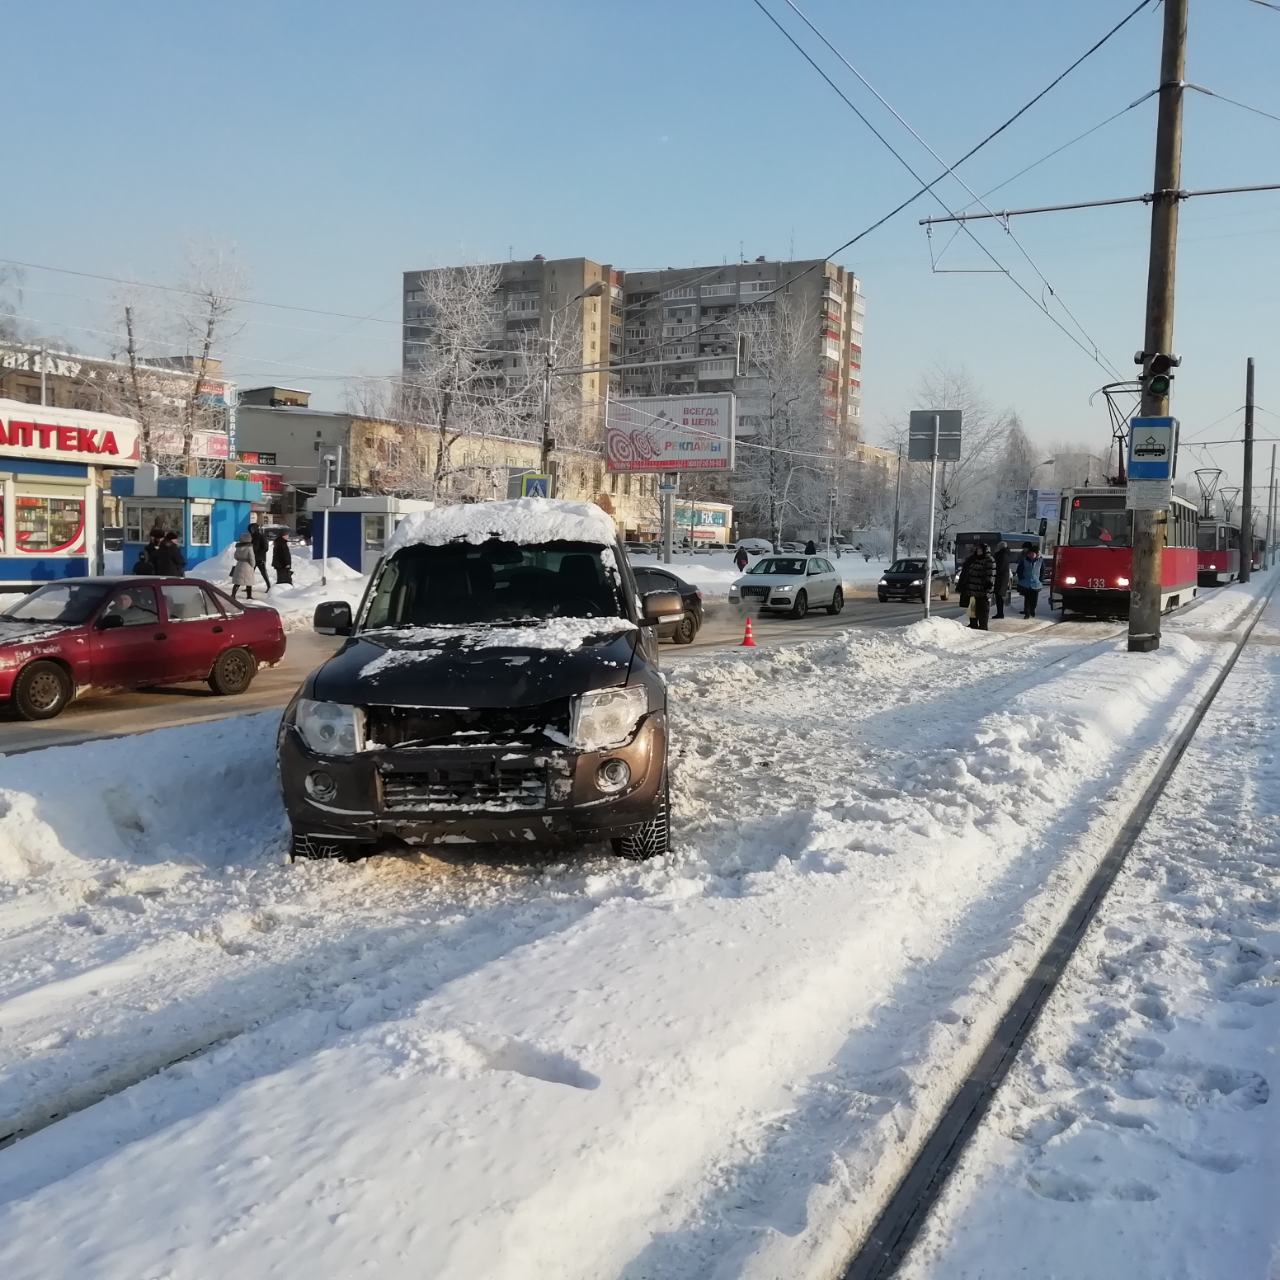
[(330, 728), (917, 582), (785, 586), (607, 717)]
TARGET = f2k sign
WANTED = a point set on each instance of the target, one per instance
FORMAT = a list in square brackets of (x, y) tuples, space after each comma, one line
[(66, 435)]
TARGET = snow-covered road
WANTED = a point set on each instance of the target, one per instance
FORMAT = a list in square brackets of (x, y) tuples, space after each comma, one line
[(714, 1065), (1137, 1136)]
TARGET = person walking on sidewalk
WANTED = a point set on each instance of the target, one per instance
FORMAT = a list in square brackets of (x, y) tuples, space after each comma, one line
[(282, 559), (977, 582), (258, 539), (1030, 581), (243, 568), (742, 559), (1002, 576)]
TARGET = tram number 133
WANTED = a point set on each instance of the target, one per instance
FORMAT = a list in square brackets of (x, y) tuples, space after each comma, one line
[(1097, 583)]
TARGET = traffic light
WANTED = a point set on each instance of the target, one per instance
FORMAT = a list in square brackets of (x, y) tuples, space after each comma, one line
[(1158, 379)]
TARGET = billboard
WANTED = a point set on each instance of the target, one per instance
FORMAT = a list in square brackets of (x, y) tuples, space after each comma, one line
[(670, 433)]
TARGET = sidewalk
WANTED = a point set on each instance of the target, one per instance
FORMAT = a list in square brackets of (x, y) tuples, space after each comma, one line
[(1136, 1137)]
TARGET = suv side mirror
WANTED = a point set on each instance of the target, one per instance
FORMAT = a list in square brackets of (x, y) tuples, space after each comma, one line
[(110, 621), (662, 606), (333, 618)]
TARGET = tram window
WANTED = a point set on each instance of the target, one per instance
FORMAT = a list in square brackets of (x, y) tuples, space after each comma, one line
[(1091, 527)]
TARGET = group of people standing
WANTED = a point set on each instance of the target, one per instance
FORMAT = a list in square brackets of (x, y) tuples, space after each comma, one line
[(984, 579), (162, 556), (250, 559)]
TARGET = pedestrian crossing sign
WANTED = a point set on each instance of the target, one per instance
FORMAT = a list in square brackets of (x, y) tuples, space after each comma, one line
[(534, 486)]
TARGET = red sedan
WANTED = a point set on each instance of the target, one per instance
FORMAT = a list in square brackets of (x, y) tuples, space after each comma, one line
[(79, 634)]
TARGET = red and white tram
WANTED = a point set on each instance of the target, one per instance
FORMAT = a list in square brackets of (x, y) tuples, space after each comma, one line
[(1092, 565), (1219, 552)]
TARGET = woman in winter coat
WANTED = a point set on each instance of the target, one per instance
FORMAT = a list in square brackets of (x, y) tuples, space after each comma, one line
[(742, 559), (1030, 569), (243, 568), (282, 559), (977, 582)]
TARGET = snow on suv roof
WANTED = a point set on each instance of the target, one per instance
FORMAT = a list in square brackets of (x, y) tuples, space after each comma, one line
[(521, 520)]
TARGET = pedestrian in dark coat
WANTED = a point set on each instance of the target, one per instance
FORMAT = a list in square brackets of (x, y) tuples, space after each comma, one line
[(282, 559), (168, 557), (1002, 576), (977, 582), (811, 548), (147, 561), (742, 559), (258, 539)]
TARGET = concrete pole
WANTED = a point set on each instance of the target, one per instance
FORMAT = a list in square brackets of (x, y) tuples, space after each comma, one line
[(1246, 500), (1271, 514), (1149, 526)]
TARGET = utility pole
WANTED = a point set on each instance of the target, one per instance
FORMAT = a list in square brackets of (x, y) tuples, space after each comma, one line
[(897, 507), (44, 375), (1149, 526), (933, 490), (1271, 514), (1246, 500)]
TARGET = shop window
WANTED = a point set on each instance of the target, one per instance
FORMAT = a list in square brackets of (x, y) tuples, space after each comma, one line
[(200, 527), (49, 524), (141, 517), (375, 532)]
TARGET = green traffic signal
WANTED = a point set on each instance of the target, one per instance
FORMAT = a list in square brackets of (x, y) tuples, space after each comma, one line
[(1158, 384)]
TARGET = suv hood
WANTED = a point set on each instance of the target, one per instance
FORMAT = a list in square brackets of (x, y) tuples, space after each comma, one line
[(479, 667)]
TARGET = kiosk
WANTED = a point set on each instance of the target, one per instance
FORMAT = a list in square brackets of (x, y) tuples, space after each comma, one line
[(358, 528), (208, 514), (52, 471)]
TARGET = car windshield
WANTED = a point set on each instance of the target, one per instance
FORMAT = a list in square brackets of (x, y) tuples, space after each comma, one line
[(779, 566), (464, 584), (907, 566), (64, 603)]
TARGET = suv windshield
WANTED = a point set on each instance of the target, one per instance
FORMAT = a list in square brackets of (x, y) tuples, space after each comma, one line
[(784, 568), (462, 584), (67, 603)]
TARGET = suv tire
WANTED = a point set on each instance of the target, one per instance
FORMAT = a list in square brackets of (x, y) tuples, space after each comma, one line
[(650, 839), (801, 606), (837, 602)]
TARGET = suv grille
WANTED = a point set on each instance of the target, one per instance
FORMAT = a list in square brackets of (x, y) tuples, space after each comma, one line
[(492, 787), (444, 729)]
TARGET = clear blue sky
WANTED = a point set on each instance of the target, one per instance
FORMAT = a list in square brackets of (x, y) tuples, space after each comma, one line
[(338, 145)]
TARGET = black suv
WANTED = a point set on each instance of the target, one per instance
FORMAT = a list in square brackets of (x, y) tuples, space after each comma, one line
[(498, 685)]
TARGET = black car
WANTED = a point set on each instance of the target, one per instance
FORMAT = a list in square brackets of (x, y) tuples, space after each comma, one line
[(684, 631), (904, 580), (498, 684)]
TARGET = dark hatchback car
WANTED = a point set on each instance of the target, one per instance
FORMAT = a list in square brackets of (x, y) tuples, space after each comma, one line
[(501, 685), (82, 634), (686, 630), (904, 580)]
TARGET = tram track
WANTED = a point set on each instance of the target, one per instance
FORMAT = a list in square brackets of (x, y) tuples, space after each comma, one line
[(895, 1228)]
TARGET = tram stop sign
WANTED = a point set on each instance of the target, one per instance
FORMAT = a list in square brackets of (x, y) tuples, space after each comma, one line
[(920, 439), (1153, 455)]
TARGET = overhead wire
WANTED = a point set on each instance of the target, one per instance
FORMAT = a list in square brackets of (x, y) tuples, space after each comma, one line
[(1222, 97), (1095, 353)]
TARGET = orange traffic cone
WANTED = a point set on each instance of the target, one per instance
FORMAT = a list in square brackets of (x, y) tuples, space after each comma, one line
[(748, 640)]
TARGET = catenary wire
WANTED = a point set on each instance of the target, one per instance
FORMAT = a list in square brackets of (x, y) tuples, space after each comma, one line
[(1222, 97), (1096, 353)]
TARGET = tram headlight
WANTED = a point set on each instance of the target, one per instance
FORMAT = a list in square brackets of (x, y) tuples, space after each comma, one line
[(1069, 581), (1122, 582)]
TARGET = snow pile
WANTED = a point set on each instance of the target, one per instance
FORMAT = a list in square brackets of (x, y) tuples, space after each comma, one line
[(521, 520), (533, 1070), (294, 602), (1136, 1137), (559, 635)]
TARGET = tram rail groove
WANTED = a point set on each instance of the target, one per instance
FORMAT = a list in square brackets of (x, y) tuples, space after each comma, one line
[(899, 1223)]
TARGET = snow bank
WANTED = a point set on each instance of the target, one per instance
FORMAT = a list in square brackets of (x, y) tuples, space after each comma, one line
[(712, 1065), (296, 602), (521, 520)]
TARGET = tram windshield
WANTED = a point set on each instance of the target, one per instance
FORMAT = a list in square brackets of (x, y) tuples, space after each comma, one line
[(1099, 522), (1207, 537)]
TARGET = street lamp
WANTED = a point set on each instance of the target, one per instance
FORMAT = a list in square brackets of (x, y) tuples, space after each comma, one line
[(1026, 506), (593, 290)]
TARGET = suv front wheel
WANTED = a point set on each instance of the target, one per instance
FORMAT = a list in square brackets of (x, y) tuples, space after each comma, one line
[(650, 839)]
